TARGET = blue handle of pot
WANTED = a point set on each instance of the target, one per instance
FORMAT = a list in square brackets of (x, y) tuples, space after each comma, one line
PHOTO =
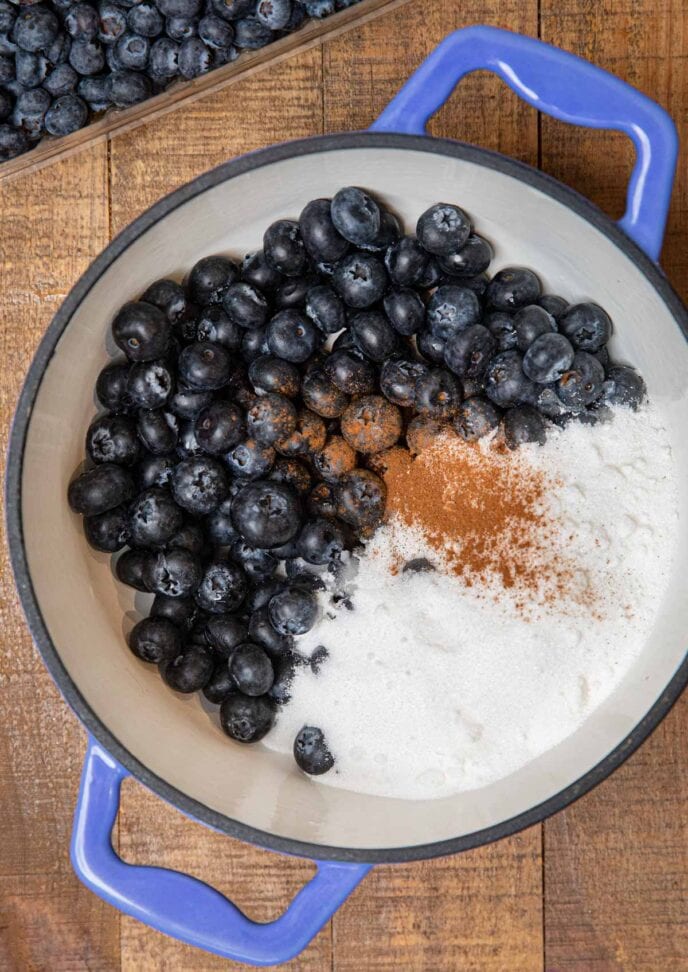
[(180, 905), (565, 87)]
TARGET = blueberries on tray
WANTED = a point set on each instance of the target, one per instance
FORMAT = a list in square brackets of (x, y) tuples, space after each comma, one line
[(231, 468), (63, 62)]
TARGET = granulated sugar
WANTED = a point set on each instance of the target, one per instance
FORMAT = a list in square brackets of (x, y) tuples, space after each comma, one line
[(441, 681)]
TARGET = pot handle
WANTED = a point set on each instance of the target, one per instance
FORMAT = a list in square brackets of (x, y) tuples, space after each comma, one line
[(180, 905), (565, 87)]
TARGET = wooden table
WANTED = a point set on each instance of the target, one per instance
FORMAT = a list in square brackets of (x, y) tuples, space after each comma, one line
[(601, 886)]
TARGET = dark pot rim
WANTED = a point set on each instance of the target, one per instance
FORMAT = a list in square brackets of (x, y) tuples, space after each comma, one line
[(83, 710)]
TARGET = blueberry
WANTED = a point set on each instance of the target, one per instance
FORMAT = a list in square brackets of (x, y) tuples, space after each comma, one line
[(471, 259), (246, 305), (100, 489), (293, 611), (246, 719), (94, 92), (256, 562), (344, 342), (360, 279), (583, 382), (350, 372), (256, 271), (8, 15), (251, 34), (398, 380), (87, 57), (512, 288), (195, 58), (322, 396), (128, 88), (467, 353), (477, 284), (179, 8), (270, 418), (205, 365), (505, 382), (186, 403), (154, 518), (140, 329), (523, 424), (150, 384), (112, 438), (188, 445), (262, 632), (251, 670), (405, 311), (31, 69), (319, 8), (222, 588), (321, 239), (431, 346), (189, 537), (132, 51), (179, 610), (266, 514), (373, 335), (180, 28), (530, 323), (547, 358), (623, 387), (29, 111), (311, 751), (163, 59), (390, 233), (325, 308), (250, 459), (199, 485), (175, 572), (131, 568), (321, 541), (224, 632), (155, 471), (361, 497), (215, 325), (35, 28), (503, 329), (12, 142), (66, 114), (112, 22), (270, 374), (407, 262), (157, 430), (292, 336), (371, 424), (220, 684), (283, 248), (189, 671), (452, 309), (355, 215), (145, 19), (309, 436), (556, 306), (155, 640), (108, 531), (438, 394), (285, 669), (475, 418), (443, 229), (81, 21), (293, 473), (587, 326), (219, 427)]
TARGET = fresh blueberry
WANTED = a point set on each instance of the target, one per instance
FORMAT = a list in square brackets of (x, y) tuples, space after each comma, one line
[(547, 358), (292, 291), (311, 751), (505, 382), (179, 610), (373, 335), (128, 88), (140, 330), (155, 471), (320, 237), (325, 309), (100, 489), (293, 611), (222, 588), (154, 518), (163, 59), (452, 309), (266, 514), (179, 8), (174, 572), (275, 14), (87, 57), (388, 235), (8, 15), (271, 418), (292, 336), (181, 28), (531, 322), (94, 92), (556, 306), (582, 384), (371, 424), (322, 396), (398, 380), (355, 215), (113, 438), (205, 365), (132, 567), (467, 353), (270, 374), (405, 311), (523, 424), (350, 372), (321, 541), (283, 248), (472, 259), (81, 21), (108, 531), (246, 305), (35, 28), (251, 670), (224, 632), (360, 279), (66, 115), (112, 22), (407, 262), (150, 384), (262, 632), (199, 485), (256, 271), (158, 430), (12, 142), (189, 671), (361, 497), (431, 346), (318, 9), (438, 394), (512, 288), (195, 58), (214, 324), (188, 445), (186, 403), (29, 111), (219, 427), (475, 418), (256, 562), (155, 640), (220, 685), (247, 719), (251, 34), (309, 436), (169, 296), (31, 69), (293, 473), (587, 326), (145, 19), (132, 51), (250, 459), (215, 32), (443, 229), (624, 387), (503, 329)]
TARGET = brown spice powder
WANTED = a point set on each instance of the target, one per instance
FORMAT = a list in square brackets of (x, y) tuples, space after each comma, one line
[(482, 509)]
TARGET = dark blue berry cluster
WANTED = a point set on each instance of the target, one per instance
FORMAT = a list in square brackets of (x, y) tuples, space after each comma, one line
[(234, 457), (63, 61)]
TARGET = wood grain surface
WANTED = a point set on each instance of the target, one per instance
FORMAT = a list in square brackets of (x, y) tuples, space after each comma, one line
[(601, 886)]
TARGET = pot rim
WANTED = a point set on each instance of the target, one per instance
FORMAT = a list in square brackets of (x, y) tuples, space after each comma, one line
[(191, 807)]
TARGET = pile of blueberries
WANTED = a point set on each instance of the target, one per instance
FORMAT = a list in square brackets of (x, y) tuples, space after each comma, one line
[(63, 61), (242, 429)]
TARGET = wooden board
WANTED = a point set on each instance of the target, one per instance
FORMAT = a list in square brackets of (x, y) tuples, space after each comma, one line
[(609, 891)]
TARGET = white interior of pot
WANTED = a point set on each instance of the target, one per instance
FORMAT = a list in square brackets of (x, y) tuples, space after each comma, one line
[(87, 612)]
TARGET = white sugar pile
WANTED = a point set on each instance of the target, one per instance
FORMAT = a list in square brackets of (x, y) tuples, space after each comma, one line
[(431, 688)]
